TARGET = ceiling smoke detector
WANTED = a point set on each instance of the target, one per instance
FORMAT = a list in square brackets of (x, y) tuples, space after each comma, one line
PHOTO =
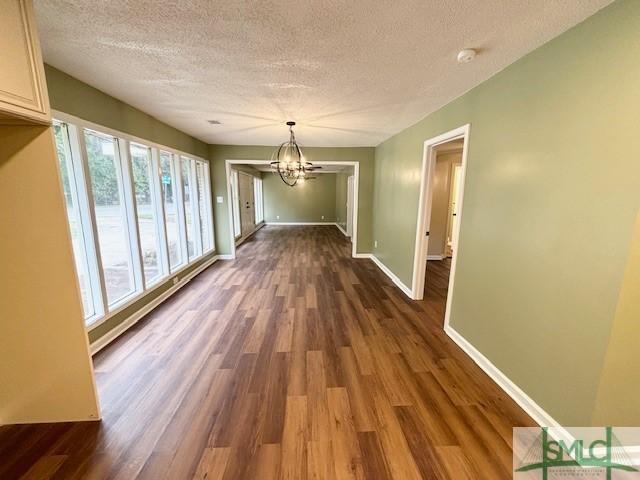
[(466, 55), (214, 122)]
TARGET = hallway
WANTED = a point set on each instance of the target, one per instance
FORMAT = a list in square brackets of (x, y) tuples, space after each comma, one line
[(293, 361)]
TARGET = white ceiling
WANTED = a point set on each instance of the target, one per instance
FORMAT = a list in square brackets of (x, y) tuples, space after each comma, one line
[(351, 73)]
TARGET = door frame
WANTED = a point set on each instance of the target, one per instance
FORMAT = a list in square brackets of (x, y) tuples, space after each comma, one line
[(350, 180), (424, 212), (356, 194)]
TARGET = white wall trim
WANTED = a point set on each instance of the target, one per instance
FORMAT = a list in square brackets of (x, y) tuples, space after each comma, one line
[(300, 223), (436, 257), (119, 329), (535, 411), (363, 255), (387, 271), (424, 214), (241, 240), (344, 232)]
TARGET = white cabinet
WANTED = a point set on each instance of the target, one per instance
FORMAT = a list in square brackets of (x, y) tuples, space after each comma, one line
[(23, 90)]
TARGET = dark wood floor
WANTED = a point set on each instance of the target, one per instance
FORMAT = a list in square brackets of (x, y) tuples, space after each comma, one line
[(293, 361)]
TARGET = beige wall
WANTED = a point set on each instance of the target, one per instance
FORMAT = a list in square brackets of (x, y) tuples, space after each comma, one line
[(45, 368), (619, 389), (441, 201)]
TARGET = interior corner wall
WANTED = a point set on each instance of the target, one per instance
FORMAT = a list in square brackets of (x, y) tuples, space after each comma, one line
[(74, 97), (312, 201), (550, 201), (46, 374), (218, 154), (619, 388), (71, 96)]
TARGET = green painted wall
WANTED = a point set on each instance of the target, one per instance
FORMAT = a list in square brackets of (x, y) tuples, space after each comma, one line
[(306, 202), (552, 192), (218, 154), (69, 95), (341, 199)]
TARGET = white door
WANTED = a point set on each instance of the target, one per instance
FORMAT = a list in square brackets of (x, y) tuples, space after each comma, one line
[(454, 210), (247, 203), (350, 206)]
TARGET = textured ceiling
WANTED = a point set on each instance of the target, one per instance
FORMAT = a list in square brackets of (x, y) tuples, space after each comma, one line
[(351, 72)]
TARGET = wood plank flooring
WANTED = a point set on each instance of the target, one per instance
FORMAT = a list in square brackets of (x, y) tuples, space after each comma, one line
[(294, 361)]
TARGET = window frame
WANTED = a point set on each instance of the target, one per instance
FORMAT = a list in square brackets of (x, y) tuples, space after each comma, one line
[(77, 146), (78, 177), (158, 213)]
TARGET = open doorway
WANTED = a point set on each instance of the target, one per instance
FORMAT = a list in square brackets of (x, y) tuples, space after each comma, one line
[(439, 213), (328, 197), (246, 202)]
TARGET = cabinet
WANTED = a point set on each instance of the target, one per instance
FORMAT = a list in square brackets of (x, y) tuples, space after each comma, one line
[(23, 90)]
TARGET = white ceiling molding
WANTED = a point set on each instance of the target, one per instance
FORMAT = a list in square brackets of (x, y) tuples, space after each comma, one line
[(349, 73)]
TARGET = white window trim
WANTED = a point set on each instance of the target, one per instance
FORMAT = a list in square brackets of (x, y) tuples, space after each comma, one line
[(77, 147)]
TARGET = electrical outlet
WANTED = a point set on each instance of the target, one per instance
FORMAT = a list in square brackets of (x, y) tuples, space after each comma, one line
[(219, 199), (175, 280), (277, 217), (375, 244), (322, 218)]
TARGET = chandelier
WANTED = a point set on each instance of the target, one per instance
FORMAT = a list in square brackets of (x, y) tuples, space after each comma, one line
[(289, 162)]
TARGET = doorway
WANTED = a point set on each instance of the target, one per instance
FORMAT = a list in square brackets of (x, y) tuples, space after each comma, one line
[(246, 203), (439, 214), (233, 176)]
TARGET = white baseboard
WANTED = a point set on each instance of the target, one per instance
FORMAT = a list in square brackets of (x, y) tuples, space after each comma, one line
[(436, 257), (240, 240), (406, 290), (300, 223), (363, 255), (115, 332), (226, 256), (535, 411), (344, 232)]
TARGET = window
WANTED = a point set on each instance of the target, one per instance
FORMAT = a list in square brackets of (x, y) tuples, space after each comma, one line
[(171, 211), (187, 192), (105, 171), (204, 205), (72, 181), (149, 228), (135, 213), (257, 196)]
